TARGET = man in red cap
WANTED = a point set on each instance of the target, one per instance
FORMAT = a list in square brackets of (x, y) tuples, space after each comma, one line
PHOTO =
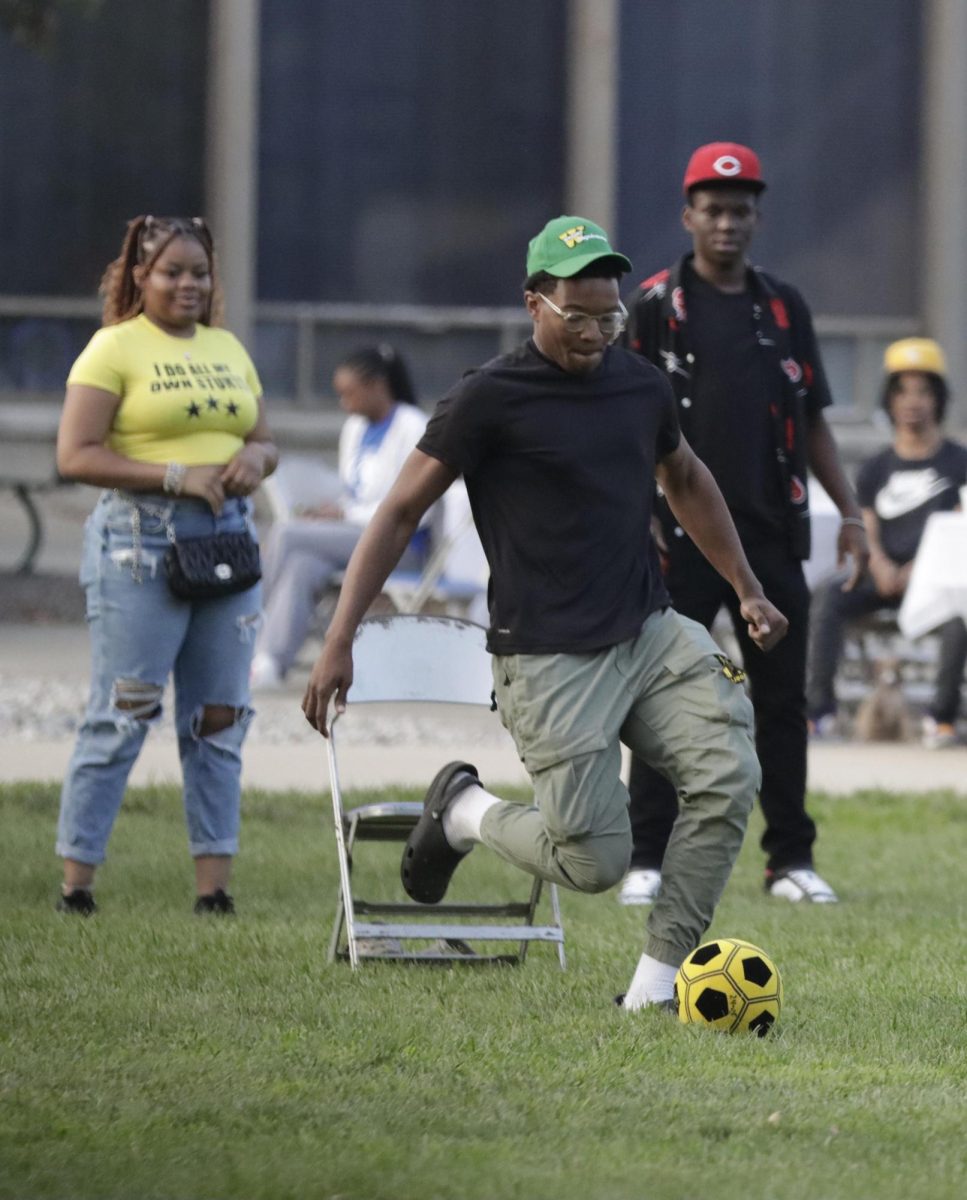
[(739, 350)]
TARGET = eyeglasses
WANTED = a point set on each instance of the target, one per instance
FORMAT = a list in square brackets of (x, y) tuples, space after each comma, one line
[(610, 323)]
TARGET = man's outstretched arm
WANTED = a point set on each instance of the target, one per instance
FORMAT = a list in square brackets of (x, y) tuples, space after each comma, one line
[(700, 509), (421, 481)]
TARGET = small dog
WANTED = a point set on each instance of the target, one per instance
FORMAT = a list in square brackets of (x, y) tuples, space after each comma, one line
[(884, 715)]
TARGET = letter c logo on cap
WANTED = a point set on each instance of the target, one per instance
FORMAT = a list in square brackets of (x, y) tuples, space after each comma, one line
[(727, 164)]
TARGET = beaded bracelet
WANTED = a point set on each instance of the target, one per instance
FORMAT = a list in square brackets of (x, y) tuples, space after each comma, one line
[(174, 479)]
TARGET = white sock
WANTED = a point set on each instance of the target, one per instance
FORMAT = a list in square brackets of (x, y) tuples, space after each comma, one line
[(653, 981), (462, 817)]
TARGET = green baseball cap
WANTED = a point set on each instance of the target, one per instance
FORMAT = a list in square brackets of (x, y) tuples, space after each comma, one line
[(567, 245)]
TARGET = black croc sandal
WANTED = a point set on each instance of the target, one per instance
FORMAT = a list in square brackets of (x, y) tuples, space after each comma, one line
[(428, 858)]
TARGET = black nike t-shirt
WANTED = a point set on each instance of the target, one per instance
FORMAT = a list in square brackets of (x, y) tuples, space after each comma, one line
[(903, 492), (560, 471), (730, 427)]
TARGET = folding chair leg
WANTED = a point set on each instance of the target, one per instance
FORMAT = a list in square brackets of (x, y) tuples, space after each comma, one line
[(556, 913), (337, 929), (535, 897), (345, 912)]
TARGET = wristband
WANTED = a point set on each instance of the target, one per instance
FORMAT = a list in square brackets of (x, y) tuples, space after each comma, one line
[(857, 521), (174, 479)]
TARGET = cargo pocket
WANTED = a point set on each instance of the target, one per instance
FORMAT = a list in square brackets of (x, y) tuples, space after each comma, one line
[(708, 685), (545, 709)]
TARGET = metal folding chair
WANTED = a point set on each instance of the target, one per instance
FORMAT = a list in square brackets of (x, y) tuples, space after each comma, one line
[(454, 575), (409, 660)]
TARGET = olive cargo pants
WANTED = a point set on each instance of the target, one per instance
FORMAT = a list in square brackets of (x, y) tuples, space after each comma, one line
[(671, 697)]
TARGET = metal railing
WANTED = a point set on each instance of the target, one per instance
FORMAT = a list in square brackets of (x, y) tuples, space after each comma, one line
[(296, 346)]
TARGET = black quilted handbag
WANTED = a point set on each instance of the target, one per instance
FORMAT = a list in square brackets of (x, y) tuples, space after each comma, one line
[(205, 568)]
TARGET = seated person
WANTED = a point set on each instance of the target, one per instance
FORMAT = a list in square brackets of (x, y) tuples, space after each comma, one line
[(303, 555), (898, 489)]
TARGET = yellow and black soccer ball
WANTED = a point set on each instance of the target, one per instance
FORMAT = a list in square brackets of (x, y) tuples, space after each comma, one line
[(729, 985)]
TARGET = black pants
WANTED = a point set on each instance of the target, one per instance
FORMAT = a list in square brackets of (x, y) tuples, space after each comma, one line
[(833, 609), (777, 686)]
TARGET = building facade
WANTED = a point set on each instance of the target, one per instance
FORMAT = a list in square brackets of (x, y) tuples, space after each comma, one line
[(378, 166)]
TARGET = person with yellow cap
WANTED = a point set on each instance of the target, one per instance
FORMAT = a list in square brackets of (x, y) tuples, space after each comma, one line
[(921, 473)]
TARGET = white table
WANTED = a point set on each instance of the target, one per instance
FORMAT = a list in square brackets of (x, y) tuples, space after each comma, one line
[(825, 521), (937, 590)]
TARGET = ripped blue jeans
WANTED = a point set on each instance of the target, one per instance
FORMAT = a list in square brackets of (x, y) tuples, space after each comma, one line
[(140, 635)]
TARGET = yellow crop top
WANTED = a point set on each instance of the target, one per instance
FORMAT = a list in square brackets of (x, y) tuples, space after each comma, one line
[(189, 400)]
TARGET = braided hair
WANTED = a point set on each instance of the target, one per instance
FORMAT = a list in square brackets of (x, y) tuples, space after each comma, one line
[(146, 239), (382, 362)]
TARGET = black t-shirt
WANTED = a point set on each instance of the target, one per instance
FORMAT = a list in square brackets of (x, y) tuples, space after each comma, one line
[(903, 492), (730, 427), (560, 471)]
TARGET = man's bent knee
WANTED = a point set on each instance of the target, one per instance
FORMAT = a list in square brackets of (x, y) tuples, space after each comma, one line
[(595, 864)]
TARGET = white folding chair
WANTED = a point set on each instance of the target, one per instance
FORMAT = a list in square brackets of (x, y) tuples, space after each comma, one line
[(455, 575), (300, 481), (409, 659)]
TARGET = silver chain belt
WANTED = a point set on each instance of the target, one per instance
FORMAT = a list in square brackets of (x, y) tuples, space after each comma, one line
[(163, 515)]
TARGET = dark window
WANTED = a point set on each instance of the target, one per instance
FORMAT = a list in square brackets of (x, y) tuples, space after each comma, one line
[(827, 93), (108, 124), (407, 151)]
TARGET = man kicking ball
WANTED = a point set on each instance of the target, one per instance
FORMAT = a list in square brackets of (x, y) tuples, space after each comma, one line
[(561, 443)]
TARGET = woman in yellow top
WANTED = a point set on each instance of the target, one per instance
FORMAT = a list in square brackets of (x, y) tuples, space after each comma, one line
[(164, 411)]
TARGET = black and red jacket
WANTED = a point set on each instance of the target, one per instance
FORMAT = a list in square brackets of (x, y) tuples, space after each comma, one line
[(658, 329)]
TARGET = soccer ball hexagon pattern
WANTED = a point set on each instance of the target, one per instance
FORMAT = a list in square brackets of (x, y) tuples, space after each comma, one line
[(731, 985)]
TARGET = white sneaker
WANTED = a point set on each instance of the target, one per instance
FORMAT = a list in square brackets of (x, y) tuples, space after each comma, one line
[(640, 886), (825, 728), (801, 883), (265, 675), (936, 735)]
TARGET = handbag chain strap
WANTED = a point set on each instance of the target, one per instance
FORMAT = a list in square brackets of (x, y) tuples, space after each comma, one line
[(137, 507)]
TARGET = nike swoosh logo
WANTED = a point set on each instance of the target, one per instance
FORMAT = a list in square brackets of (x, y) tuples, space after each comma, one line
[(907, 491)]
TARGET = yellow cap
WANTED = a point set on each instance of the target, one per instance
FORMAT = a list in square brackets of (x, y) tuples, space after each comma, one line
[(915, 354)]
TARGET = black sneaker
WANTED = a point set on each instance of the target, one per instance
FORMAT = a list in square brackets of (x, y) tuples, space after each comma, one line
[(219, 902), (79, 901)]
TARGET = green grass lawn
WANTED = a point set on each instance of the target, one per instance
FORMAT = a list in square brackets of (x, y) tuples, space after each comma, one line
[(150, 1053)]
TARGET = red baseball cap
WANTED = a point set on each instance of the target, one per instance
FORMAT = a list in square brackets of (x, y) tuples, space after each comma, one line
[(724, 162)]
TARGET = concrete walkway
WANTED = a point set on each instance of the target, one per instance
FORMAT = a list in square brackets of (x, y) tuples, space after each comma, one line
[(43, 676), (43, 681)]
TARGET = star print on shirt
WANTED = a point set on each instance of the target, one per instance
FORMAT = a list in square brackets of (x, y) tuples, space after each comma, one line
[(212, 404), (192, 409), (231, 408)]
